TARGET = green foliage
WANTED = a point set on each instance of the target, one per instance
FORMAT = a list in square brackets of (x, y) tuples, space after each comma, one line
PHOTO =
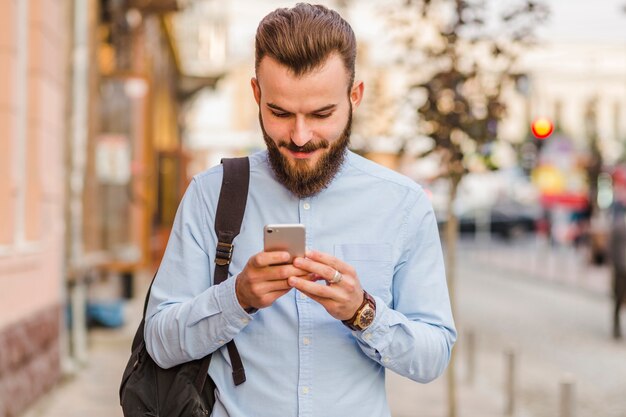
[(462, 63)]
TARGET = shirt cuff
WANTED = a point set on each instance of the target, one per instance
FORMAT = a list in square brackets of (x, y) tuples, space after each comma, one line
[(376, 336), (233, 312)]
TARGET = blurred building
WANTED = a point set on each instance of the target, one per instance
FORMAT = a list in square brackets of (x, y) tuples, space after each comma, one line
[(134, 164), (128, 169), (564, 78), (91, 169), (34, 51), (223, 121)]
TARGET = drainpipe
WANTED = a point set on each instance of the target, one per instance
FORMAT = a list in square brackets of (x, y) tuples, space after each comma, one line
[(82, 20)]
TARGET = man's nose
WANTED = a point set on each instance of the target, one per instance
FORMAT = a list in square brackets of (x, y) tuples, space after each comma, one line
[(301, 133)]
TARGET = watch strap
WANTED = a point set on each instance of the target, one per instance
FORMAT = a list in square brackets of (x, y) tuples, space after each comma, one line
[(367, 300)]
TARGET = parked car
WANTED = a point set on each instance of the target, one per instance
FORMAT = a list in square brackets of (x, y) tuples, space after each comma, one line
[(503, 202), (507, 218)]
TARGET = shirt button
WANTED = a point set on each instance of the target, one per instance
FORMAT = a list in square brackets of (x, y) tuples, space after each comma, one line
[(368, 336), (245, 320), (385, 359), (303, 296), (306, 206), (221, 341), (305, 390), (306, 341)]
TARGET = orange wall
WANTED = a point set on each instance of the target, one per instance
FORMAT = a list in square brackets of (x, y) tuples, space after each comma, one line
[(31, 265)]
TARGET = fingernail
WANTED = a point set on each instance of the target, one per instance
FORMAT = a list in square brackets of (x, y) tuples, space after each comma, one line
[(292, 281)]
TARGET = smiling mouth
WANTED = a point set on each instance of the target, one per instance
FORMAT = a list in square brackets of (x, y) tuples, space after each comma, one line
[(301, 155), (304, 152)]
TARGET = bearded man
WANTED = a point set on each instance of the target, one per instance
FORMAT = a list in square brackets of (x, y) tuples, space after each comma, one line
[(308, 349)]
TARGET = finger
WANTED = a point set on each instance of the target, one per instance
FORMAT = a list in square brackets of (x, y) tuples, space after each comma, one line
[(329, 260), (310, 277), (269, 298), (264, 259), (321, 300), (313, 288), (282, 272), (323, 271), (276, 285)]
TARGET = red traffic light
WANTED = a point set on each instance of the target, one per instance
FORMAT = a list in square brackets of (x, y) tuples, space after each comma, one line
[(542, 127)]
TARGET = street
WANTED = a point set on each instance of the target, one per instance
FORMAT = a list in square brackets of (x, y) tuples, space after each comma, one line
[(558, 328)]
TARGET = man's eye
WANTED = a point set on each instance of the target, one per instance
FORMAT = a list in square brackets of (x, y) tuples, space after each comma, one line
[(322, 116), (280, 114)]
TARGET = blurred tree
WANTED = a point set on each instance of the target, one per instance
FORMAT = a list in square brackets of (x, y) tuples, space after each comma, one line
[(461, 56)]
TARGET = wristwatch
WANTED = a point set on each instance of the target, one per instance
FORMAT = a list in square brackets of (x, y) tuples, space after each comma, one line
[(364, 315)]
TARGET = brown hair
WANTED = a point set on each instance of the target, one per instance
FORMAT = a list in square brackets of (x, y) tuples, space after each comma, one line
[(303, 37)]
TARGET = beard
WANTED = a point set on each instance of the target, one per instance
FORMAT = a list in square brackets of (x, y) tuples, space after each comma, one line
[(296, 175)]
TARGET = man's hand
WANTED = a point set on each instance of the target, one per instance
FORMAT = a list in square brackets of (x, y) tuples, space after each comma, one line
[(263, 281), (342, 299)]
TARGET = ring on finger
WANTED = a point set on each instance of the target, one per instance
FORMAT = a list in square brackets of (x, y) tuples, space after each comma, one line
[(336, 278)]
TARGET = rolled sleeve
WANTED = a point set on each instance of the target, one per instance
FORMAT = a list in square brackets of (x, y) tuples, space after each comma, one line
[(222, 300)]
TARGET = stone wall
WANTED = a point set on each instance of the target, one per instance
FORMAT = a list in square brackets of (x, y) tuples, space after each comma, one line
[(29, 360)]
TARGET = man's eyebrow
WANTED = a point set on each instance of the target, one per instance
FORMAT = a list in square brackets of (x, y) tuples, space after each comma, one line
[(320, 110)]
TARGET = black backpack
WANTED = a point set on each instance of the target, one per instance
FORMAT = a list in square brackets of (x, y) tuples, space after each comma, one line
[(186, 390)]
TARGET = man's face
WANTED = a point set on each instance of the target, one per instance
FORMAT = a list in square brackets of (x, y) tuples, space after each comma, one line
[(306, 121)]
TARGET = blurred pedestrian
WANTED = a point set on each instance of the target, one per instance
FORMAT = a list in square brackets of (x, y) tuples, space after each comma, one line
[(308, 349), (617, 246)]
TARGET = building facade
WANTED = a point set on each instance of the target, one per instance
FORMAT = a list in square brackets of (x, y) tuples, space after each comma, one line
[(34, 41)]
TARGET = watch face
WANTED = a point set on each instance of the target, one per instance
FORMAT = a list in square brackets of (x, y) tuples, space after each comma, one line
[(366, 317)]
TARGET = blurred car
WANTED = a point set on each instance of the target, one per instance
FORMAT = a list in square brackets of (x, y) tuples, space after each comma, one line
[(502, 202), (507, 218)]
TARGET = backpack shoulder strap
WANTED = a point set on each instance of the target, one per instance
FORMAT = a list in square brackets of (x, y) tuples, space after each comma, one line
[(229, 213), (228, 218)]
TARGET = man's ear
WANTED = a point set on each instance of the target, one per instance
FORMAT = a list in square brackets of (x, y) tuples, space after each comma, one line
[(256, 90), (356, 94)]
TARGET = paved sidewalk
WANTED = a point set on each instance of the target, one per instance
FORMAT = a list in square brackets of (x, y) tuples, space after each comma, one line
[(93, 391), (536, 259), (409, 399)]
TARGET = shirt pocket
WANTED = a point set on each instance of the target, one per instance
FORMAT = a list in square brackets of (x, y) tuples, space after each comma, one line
[(372, 262)]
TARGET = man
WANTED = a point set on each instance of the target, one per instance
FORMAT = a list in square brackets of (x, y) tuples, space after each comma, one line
[(308, 349)]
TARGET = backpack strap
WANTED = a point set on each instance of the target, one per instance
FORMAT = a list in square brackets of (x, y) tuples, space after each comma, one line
[(229, 213), (228, 218)]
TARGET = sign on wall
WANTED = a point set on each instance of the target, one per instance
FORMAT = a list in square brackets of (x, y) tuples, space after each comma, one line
[(113, 159)]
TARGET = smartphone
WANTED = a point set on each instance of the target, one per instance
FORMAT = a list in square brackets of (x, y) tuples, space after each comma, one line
[(285, 237)]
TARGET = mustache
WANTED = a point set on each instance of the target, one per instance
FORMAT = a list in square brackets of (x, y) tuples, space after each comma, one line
[(307, 147)]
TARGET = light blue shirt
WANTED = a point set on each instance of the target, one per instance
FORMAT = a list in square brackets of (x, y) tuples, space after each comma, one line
[(299, 360)]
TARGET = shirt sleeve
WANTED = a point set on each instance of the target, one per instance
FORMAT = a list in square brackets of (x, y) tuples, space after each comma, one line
[(187, 317), (414, 336)]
